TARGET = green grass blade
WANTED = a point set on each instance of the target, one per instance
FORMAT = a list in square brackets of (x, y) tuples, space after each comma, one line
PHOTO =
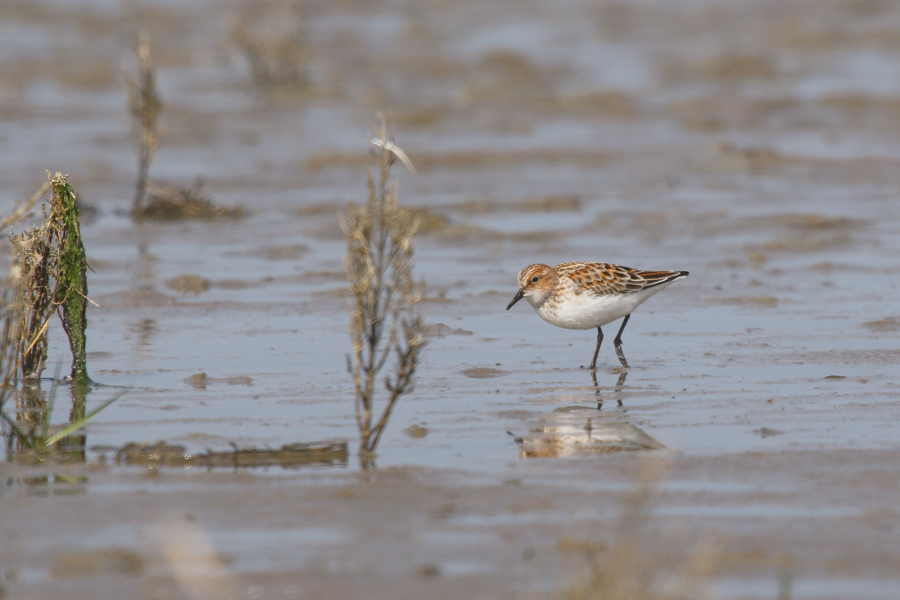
[(16, 431), (76, 425)]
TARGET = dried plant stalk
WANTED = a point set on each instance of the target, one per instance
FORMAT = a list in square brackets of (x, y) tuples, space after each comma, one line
[(274, 45), (27, 296), (383, 317), (12, 299), (11, 319), (145, 106), (33, 255)]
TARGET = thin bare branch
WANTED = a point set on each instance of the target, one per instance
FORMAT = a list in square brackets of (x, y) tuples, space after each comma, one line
[(383, 321)]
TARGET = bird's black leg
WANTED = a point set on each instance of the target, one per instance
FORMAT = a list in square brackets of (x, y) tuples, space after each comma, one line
[(597, 349), (618, 342), (597, 390)]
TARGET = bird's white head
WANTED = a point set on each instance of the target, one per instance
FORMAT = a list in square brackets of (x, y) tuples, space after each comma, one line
[(536, 283)]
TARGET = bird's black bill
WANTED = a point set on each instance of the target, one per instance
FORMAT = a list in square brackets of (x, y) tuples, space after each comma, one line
[(519, 295)]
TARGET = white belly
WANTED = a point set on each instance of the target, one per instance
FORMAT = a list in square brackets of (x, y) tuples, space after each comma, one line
[(587, 311)]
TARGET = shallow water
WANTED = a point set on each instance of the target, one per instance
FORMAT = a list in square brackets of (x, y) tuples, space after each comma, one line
[(751, 143)]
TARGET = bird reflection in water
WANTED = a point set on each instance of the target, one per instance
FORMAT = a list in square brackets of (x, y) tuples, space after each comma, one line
[(581, 431)]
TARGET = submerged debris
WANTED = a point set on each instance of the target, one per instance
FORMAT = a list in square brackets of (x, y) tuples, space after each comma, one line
[(173, 203), (188, 284), (416, 431), (883, 325), (536, 204), (765, 432), (439, 330), (484, 373), (288, 456)]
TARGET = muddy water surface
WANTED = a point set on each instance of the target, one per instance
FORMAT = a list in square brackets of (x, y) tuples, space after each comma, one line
[(752, 143)]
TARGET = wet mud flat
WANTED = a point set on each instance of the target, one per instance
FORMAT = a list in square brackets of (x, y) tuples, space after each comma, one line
[(764, 518), (751, 143)]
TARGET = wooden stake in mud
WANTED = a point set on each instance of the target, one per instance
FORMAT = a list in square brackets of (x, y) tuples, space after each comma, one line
[(71, 272)]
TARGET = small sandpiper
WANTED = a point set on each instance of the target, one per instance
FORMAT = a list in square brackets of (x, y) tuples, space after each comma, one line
[(584, 295)]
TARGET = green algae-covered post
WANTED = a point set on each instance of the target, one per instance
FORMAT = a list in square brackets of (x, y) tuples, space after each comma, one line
[(71, 278)]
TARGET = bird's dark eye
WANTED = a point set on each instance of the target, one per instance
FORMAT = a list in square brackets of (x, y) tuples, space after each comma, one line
[(534, 279)]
